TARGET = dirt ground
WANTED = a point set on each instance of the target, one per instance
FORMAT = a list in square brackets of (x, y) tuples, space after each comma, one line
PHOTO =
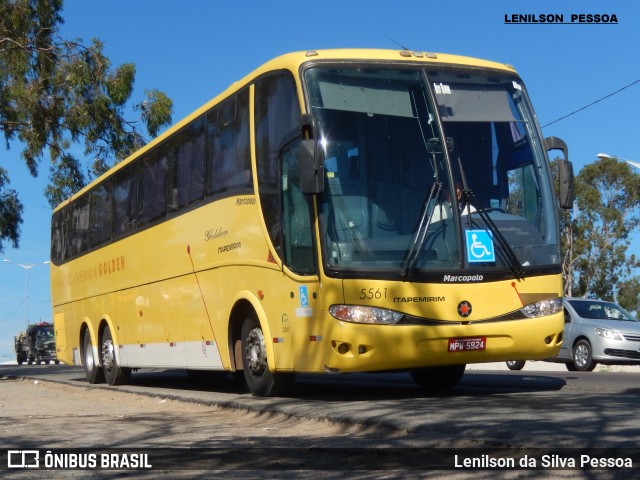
[(35, 413), (43, 415)]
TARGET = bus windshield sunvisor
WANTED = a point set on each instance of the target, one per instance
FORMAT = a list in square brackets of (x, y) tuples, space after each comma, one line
[(473, 103)]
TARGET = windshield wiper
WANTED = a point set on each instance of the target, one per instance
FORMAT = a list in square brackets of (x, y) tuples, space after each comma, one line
[(469, 199), (420, 235)]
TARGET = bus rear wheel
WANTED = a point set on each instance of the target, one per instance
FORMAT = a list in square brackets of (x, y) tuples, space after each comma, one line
[(260, 380), (434, 378), (91, 369), (113, 373)]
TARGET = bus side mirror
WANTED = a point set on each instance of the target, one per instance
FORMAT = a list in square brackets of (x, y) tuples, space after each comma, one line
[(565, 177), (565, 172), (311, 161)]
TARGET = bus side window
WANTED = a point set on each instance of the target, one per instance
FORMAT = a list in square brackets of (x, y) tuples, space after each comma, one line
[(186, 166), (228, 155), (65, 233), (125, 202), (284, 208), (80, 226), (298, 251), (100, 214), (57, 237), (153, 204)]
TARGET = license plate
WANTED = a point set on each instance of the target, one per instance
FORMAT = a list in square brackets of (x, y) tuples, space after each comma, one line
[(466, 344)]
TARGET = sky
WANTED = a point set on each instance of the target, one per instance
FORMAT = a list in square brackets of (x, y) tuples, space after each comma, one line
[(194, 49)]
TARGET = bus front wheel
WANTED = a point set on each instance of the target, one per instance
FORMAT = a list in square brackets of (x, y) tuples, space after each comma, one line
[(516, 364), (113, 373), (91, 369), (261, 381), (433, 378)]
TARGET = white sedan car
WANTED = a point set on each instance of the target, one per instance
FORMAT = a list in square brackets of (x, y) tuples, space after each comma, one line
[(595, 332)]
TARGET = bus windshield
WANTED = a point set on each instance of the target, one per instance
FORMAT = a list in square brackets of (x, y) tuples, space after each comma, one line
[(430, 171)]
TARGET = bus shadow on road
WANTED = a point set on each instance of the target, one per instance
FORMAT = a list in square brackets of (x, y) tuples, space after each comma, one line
[(205, 381), (400, 385), (346, 387), (350, 387), (510, 382)]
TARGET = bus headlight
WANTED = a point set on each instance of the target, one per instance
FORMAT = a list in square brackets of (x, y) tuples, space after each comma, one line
[(543, 308), (362, 314), (609, 334)]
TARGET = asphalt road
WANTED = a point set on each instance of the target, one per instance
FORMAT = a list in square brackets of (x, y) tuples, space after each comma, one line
[(542, 410), (487, 407)]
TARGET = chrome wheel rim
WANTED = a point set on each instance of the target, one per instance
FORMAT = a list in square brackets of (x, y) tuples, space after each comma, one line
[(581, 355), (108, 354), (255, 352), (88, 358)]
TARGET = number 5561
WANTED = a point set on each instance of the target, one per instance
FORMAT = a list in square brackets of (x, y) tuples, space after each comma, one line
[(373, 293)]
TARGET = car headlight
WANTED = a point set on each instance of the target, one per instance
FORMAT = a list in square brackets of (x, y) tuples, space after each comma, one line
[(362, 314), (543, 308), (609, 334)]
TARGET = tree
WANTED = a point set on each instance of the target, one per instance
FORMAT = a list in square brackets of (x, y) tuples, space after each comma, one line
[(10, 211), (629, 295), (57, 94), (597, 234), (569, 253), (567, 249)]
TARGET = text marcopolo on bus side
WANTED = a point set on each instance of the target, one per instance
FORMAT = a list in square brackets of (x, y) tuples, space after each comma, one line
[(463, 278)]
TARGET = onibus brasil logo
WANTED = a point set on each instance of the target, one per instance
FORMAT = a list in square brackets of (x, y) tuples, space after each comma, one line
[(32, 459)]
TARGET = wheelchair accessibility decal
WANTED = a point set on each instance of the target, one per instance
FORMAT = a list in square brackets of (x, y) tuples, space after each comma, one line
[(480, 246)]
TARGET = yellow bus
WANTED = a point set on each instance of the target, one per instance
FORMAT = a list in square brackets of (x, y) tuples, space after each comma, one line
[(333, 211)]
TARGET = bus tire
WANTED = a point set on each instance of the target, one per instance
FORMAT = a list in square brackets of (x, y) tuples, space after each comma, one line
[(516, 364), (570, 366), (260, 380), (91, 369), (434, 378), (114, 374)]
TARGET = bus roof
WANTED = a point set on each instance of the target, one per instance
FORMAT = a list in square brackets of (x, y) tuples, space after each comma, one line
[(292, 61)]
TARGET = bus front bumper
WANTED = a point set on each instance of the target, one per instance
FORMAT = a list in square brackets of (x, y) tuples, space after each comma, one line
[(358, 348)]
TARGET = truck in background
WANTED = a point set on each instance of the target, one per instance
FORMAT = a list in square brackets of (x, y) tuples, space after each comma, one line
[(36, 345)]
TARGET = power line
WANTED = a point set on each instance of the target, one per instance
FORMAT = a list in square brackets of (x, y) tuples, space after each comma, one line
[(592, 103), (10, 316)]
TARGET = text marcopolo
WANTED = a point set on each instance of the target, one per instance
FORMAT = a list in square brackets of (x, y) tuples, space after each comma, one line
[(463, 278)]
